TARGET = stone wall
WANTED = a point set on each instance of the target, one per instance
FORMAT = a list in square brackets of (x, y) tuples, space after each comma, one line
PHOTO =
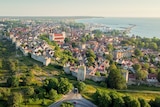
[(25, 53), (66, 69), (96, 78), (45, 61)]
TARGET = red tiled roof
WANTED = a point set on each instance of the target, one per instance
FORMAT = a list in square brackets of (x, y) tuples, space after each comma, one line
[(58, 35), (151, 76)]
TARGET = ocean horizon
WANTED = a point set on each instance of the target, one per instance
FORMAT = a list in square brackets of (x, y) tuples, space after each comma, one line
[(145, 27)]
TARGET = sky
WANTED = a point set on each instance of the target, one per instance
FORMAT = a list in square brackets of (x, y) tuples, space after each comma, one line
[(105, 8)]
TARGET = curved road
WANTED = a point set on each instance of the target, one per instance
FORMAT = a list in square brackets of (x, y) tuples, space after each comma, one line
[(76, 99)]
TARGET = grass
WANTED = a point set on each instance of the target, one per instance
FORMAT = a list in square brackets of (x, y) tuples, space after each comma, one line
[(144, 92), (143, 87), (146, 96)]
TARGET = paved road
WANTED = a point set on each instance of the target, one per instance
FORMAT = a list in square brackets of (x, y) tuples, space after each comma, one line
[(76, 99)]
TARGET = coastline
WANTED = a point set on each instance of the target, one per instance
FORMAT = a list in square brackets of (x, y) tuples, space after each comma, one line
[(143, 27)]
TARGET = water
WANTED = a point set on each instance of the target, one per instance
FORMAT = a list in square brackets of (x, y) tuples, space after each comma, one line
[(145, 27)]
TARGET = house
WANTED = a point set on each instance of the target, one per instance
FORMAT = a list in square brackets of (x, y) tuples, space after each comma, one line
[(152, 78)]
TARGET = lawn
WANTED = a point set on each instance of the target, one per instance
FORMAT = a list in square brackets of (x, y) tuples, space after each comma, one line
[(143, 87)]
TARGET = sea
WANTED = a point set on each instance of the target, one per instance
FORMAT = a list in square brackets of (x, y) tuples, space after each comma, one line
[(144, 27)]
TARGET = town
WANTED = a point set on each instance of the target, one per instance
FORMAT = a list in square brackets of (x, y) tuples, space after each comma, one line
[(87, 51)]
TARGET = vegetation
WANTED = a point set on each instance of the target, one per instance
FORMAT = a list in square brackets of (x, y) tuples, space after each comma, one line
[(66, 104), (116, 80)]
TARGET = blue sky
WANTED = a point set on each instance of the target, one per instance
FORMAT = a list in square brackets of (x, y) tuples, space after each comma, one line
[(106, 8)]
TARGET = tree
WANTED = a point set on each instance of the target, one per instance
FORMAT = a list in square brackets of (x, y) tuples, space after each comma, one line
[(116, 80), (110, 47), (29, 91), (130, 102), (102, 99), (91, 60), (81, 86), (155, 103), (152, 70), (51, 84), (66, 40), (98, 74), (4, 93), (137, 52), (158, 77), (13, 81), (64, 86), (117, 101), (146, 66), (26, 80), (109, 57), (12, 66), (53, 94), (66, 104), (112, 67), (141, 74), (137, 67), (90, 53), (1, 64), (83, 40), (153, 46), (74, 44), (15, 100), (143, 102)]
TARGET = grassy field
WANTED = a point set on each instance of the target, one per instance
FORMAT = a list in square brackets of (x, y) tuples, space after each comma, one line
[(147, 94)]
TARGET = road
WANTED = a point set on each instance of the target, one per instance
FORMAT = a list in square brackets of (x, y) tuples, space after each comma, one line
[(76, 99)]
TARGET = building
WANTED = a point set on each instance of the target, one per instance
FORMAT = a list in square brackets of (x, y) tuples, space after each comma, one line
[(152, 78), (57, 37), (81, 75), (124, 52)]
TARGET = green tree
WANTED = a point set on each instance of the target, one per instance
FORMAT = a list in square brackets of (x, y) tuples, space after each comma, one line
[(15, 100), (146, 66), (26, 80), (112, 67), (102, 99), (1, 64), (116, 80), (141, 74), (155, 103), (110, 47), (117, 101), (66, 40), (51, 84), (29, 91), (91, 60), (4, 93), (74, 45), (83, 40), (66, 104), (98, 74), (152, 70), (109, 57), (153, 46), (143, 102), (81, 86), (130, 102), (53, 94), (90, 53), (13, 81), (137, 67), (137, 52), (64, 86)]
